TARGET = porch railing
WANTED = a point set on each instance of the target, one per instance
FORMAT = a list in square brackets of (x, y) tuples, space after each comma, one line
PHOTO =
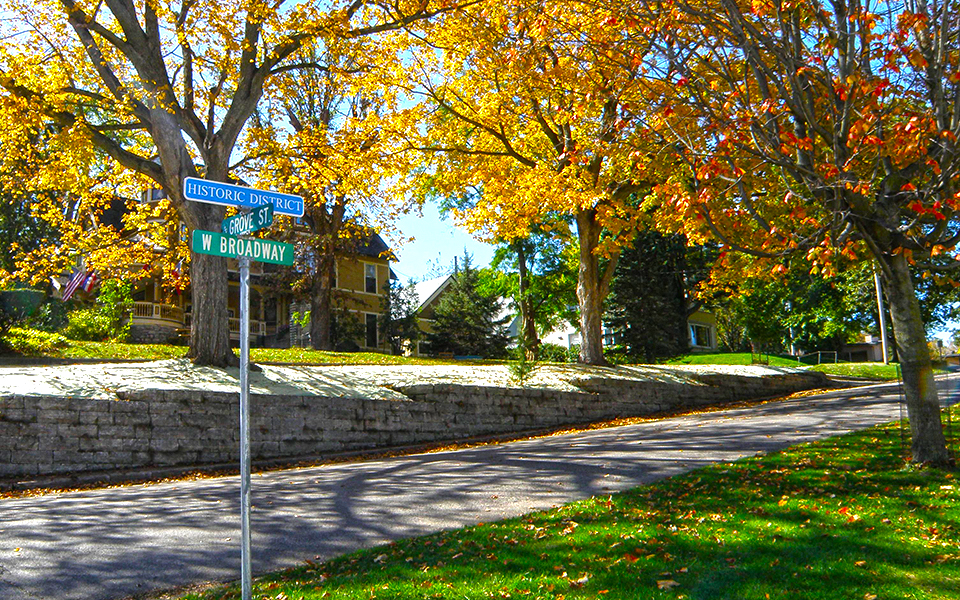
[(153, 310), (256, 327)]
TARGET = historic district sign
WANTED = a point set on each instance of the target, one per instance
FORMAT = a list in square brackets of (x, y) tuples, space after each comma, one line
[(227, 194), (218, 244), (245, 223)]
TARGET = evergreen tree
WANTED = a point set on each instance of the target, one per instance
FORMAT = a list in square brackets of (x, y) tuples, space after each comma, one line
[(399, 318), (648, 301), (466, 318)]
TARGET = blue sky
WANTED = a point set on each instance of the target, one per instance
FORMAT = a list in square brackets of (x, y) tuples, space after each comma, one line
[(437, 239)]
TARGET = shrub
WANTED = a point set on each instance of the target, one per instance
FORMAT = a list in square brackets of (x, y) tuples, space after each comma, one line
[(51, 316), (553, 353), (115, 302), (33, 341), (108, 320), (89, 324)]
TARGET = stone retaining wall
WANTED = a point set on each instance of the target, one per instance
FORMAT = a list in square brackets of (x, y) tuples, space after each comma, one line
[(152, 334), (48, 435)]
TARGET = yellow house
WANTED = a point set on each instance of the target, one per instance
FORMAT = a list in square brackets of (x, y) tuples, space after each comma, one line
[(359, 294), (161, 316)]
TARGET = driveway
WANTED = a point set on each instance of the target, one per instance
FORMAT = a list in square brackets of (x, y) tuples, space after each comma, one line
[(111, 543)]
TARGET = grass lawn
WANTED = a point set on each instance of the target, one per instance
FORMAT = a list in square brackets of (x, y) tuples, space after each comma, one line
[(729, 358), (868, 370), (37, 343), (841, 518)]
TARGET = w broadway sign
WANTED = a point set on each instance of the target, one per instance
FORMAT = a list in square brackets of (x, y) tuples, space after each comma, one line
[(218, 244)]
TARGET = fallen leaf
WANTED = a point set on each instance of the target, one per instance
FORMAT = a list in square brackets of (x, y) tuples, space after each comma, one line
[(869, 596), (666, 584), (575, 583), (860, 563), (380, 558)]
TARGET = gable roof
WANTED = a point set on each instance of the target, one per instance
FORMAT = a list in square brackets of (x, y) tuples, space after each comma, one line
[(374, 247), (429, 290)]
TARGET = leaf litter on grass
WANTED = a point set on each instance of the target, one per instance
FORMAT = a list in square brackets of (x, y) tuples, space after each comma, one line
[(841, 518)]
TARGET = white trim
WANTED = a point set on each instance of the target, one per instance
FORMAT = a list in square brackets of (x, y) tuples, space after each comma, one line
[(711, 333), (436, 292)]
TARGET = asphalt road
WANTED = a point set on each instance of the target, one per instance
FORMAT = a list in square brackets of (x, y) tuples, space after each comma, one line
[(113, 543)]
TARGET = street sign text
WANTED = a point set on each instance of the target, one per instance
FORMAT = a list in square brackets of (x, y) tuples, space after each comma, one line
[(245, 223), (227, 194), (218, 244)]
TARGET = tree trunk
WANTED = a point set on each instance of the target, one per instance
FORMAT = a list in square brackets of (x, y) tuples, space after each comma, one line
[(589, 290), (528, 328), (320, 304), (209, 325), (923, 405)]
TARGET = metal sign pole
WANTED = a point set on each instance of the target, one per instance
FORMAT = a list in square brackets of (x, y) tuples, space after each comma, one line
[(245, 574), (263, 204)]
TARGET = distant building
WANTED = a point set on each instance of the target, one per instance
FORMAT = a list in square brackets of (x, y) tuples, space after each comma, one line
[(868, 348)]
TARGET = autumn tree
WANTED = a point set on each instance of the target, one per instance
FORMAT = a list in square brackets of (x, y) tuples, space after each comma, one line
[(821, 128), (165, 90), (62, 208), (528, 110), (319, 135)]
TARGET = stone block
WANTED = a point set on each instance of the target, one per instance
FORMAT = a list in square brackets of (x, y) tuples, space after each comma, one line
[(100, 416), (131, 418), (115, 431), (39, 457), (10, 469), (161, 444)]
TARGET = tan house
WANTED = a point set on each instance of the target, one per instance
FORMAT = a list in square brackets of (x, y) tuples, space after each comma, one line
[(428, 294), (702, 327)]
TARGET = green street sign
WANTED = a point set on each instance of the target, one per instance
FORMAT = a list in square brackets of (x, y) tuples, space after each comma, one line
[(218, 244), (244, 223)]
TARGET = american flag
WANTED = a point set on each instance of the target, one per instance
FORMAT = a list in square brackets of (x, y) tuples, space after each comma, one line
[(75, 281)]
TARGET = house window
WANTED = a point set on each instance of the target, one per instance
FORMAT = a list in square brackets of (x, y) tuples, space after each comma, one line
[(612, 337), (700, 336), (370, 278), (371, 341)]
